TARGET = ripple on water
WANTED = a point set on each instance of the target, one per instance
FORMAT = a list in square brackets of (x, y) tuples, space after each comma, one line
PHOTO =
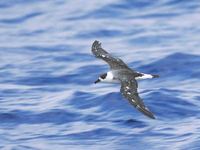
[(47, 96)]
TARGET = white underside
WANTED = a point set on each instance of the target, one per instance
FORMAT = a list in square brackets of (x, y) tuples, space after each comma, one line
[(111, 81), (109, 78)]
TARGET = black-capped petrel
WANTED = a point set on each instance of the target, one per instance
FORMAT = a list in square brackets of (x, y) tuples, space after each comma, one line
[(121, 73)]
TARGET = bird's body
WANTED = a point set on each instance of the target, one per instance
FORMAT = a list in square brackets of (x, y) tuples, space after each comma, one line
[(121, 73), (110, 78)]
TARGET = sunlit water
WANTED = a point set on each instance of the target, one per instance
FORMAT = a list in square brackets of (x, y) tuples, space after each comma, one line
[(47, 97)]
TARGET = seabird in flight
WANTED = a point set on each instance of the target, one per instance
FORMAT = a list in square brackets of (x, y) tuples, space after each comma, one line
[(121, 73)]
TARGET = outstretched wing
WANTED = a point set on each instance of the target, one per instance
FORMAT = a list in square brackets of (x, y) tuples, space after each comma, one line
[(99, 52), (129, 91)]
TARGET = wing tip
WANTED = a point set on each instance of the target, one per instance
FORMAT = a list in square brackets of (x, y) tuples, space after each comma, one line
[(152, 116), (96, 44), (147, 112)]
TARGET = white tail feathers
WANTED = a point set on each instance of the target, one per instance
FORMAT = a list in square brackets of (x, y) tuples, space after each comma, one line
[(146, 76)]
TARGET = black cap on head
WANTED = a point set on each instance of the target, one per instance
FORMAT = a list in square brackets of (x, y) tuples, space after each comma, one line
[(103, 76)]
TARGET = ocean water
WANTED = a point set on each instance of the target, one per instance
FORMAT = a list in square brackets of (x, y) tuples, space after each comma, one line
[(48, 100)]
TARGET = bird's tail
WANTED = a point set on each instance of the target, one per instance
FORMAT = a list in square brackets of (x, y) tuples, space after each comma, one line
[(146, 76), (155, 76)]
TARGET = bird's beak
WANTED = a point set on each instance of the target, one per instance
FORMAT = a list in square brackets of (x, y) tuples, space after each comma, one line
[(97, 81)]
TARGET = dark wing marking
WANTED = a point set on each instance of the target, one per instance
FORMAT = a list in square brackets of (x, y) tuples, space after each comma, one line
[(114, 63), (129, 91)]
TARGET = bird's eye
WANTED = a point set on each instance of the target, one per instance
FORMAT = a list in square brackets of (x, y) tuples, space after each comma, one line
[(103, 76)]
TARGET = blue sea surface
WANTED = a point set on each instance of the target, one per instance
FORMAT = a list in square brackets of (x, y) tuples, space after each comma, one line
[(48, 99)]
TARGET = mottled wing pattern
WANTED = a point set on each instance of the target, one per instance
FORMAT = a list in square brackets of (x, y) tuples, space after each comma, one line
[(114, 63), (129, 91)]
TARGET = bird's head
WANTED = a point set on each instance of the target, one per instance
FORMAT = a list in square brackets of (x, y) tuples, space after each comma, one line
[(102, 77)]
